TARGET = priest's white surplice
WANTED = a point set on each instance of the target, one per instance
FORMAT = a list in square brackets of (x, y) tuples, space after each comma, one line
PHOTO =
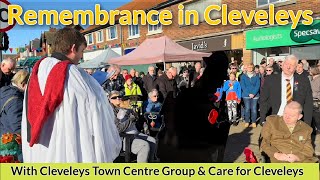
[(81, 129)]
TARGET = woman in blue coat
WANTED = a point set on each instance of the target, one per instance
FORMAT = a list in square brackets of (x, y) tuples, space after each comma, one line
[(250, 85), (11, 106)]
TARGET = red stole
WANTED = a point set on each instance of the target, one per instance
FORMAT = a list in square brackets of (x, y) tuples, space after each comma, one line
[(40, 107)]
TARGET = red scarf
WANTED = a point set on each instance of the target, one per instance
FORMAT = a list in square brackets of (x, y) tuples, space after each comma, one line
[(40, 107)]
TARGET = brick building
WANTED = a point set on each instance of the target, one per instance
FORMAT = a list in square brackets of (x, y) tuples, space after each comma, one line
[(203, 37), (101, 37)]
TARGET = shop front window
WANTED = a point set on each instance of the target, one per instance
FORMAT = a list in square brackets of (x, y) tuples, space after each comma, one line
[(307, 52), (277, 53)]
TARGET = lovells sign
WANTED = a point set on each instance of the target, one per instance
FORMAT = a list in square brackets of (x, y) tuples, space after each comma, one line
[(304, 34)]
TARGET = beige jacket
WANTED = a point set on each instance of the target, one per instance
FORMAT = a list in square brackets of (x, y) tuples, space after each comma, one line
[(276, 137), (315, 86)]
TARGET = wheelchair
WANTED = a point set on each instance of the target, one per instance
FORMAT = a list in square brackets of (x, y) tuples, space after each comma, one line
[(153, 126)]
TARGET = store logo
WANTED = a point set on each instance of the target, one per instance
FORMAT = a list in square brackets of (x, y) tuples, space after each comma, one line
[(304, 34), (4, 26), (203, 45), (225, 43)]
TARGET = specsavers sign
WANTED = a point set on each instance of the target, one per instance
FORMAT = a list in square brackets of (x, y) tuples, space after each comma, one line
[(283, 36)]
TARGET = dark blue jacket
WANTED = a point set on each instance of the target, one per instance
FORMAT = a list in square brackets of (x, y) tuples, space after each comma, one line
[(5, 80), (250, 85), (152, 106), (10, 117)]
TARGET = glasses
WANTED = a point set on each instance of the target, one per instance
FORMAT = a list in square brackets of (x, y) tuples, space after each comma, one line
[(115, 97), (269, 70), (233, 68)]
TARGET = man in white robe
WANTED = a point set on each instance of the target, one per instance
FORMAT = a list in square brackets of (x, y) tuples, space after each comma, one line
[(81, 126)]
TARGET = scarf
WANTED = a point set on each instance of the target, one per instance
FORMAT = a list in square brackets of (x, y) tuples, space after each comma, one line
[(40, 107)]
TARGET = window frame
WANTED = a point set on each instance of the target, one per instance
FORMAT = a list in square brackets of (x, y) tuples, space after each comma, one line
[(108, 33), (157, 31), (130, 27), (278, 3), (88, 38), (97, 36)]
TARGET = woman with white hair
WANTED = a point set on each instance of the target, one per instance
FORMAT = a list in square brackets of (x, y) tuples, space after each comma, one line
[(152, 105)]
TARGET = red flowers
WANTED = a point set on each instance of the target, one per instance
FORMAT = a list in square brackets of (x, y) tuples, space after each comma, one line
[(250, 157), (6, 159)]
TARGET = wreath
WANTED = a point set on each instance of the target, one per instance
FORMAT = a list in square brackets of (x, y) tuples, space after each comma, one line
[(10, 148)]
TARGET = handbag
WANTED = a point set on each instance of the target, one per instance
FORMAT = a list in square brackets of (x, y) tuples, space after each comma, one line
[(6, 103)]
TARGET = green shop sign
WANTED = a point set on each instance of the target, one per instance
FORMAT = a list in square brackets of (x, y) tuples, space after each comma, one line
[(283, 36)]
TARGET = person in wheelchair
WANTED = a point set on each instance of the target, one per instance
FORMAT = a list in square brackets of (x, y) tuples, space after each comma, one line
[(125, 119), (286, 138), (152, 105)]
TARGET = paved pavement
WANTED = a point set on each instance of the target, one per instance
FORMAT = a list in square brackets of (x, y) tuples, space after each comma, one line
[(241, 137)]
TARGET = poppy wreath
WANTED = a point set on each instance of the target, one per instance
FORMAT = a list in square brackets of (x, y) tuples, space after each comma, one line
[(10, 148)]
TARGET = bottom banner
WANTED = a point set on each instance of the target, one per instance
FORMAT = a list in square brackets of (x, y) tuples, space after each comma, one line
[(199, 171)]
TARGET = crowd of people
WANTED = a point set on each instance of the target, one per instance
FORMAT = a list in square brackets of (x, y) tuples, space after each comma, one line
[(61, 113), (265, 89)]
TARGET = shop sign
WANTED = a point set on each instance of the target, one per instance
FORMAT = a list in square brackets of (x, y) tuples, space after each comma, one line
[(220, 43), (304, 34), (283, 36)]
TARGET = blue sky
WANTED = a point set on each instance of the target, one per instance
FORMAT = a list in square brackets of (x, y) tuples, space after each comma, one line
[(21, 35)]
